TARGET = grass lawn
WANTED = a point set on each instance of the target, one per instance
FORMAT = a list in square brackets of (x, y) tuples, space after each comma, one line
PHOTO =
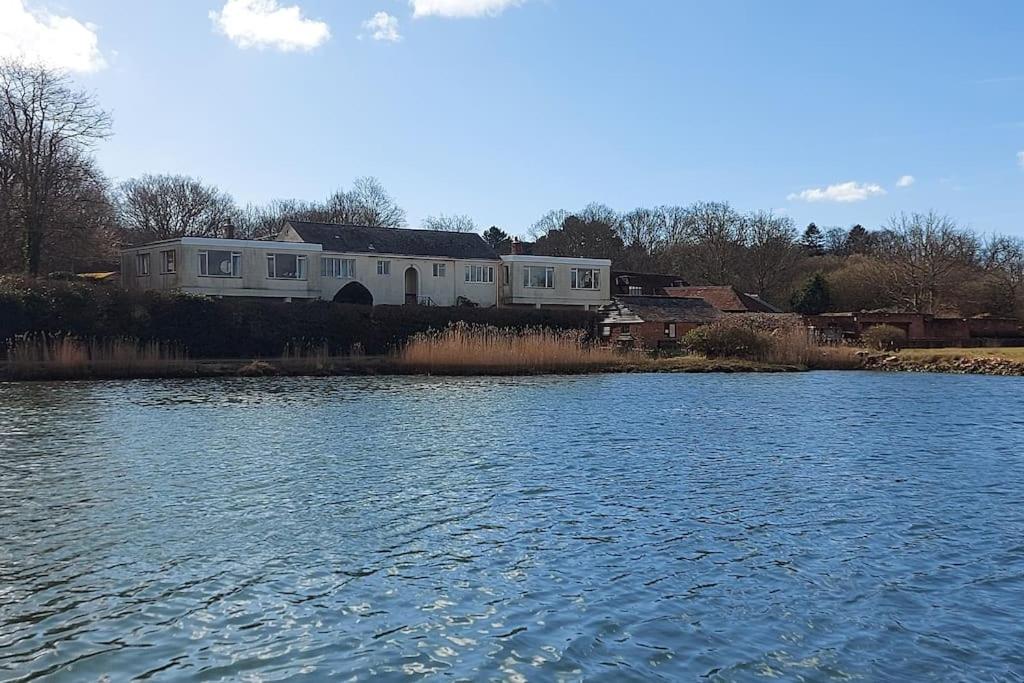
[(1014, 353)]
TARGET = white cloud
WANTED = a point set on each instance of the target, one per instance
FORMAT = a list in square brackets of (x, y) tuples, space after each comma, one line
[(1020, 158), (48, 39), (841, 192), (461, 8), (264, 23), (905, 181), (383, 26)]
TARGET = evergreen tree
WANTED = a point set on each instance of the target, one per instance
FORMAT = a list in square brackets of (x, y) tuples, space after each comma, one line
[(814, 297), (496, 237), (813, 241), (858, 240)]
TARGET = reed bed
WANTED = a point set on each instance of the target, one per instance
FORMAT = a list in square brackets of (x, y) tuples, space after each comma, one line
[(797, 346), (478, 349), (56, 356)]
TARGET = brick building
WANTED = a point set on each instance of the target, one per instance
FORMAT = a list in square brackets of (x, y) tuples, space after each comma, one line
[(652, 321), (922, 329)]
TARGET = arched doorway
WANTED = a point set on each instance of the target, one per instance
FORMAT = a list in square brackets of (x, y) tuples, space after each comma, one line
[(412, 285), (354, 293)]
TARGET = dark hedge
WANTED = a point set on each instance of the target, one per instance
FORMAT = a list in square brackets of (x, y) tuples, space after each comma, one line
[(228, 328)]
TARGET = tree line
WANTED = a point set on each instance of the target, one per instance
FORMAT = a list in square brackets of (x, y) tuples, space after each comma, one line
[(922, 262), (58, 212)]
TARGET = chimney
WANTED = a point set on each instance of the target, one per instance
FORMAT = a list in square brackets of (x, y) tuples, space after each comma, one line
[(517, 247), (229, 229)]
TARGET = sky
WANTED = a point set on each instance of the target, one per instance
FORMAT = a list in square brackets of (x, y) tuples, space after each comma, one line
[(836, 113)]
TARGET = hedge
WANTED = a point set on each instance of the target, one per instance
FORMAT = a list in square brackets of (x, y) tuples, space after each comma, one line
[(231, 328)]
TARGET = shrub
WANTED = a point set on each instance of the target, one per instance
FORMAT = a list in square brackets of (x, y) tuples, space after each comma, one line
[(883, 337), (730, 337), (233, 328)]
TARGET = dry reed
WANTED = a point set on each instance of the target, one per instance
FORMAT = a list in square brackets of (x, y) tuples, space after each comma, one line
[(796, 345), (57, 356), (479, 349)]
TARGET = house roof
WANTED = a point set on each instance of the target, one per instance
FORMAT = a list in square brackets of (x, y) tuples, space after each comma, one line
[(657, 309), (725, 298), (361, 239)]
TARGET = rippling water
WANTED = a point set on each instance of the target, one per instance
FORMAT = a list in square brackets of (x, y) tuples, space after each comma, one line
[(815, 526)]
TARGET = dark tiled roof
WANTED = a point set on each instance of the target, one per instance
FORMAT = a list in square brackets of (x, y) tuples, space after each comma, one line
[(360, 239), (667, 309), (725, 298)]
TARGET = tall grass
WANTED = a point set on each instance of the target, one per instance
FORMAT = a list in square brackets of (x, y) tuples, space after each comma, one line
[(478, 349), (58, 356), (796, 345)]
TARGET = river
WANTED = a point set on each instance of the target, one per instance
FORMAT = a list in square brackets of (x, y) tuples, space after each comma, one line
[(813, 526)]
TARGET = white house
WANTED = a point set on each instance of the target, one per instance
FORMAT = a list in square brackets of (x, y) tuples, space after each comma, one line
[(365, 265)]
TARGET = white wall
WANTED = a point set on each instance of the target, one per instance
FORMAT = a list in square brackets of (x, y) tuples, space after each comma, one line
[(390, 289), (514, 292), (252, 282)]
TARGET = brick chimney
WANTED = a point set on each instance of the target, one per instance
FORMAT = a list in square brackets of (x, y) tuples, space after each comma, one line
[(517, 247), (229, 229)]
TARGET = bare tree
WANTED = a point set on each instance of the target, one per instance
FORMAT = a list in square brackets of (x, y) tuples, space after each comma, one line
[(367, 203), (449, 223), (928, 256), (772, 253), (552, 220), (159, 207), (708, 243), (47, 131)]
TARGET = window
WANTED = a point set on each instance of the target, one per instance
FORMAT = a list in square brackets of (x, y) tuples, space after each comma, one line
[(635, 291), (220, 263), (383, 267), (340, 268), (440, 270), (142, 264), (286, 266), (623, 329), (541, 277), (670, 330), (508, 275), (479, 273), (168, 259), (586, 278), (606, 331)]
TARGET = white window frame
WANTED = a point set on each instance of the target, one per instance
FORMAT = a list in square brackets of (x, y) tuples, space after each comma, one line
[(204, 264), (142, 264), (670, 330), (480, 275), (549, 277), (337, 267), (169, 261), (301, 267), (383, 267), (595, 278), (440, 270)]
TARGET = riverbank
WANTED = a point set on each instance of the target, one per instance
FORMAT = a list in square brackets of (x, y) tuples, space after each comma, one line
[(1005, 362), (364, 366)]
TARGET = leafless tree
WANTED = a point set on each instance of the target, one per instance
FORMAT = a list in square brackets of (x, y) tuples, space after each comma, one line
[(449, 223), (367, 203), (928, 256), (552, 220), (772, 254), (47, 132), (159, 207), (708, 243)]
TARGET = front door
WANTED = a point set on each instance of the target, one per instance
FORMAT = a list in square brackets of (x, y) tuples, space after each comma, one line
[(412, 286)]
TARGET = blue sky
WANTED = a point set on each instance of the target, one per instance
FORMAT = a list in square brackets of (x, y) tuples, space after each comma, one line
[(539, 104)]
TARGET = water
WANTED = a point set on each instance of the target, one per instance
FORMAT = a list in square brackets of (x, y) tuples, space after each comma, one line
[(802, 527)]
